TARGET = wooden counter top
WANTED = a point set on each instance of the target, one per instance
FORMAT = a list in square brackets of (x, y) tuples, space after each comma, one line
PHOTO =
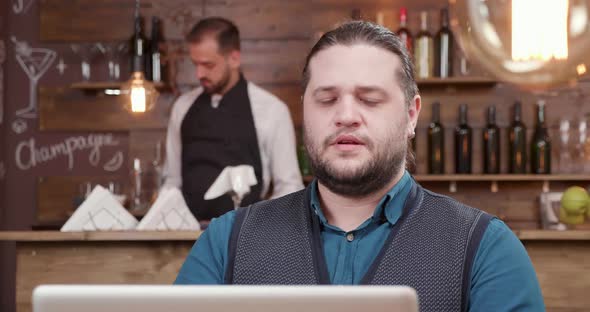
[(48, 236)]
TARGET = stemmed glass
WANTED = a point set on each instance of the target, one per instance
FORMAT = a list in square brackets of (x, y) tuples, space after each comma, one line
[(113, 53), (86, 52)]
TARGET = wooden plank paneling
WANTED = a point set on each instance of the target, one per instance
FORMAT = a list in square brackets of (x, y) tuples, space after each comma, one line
[(561, 268), (265, 19), (67, 21), (67, 109), (563, 271), (291, 95), (96, 263), (143, 145), (259, 19), (520, 204), (118, 236), (263, 62)]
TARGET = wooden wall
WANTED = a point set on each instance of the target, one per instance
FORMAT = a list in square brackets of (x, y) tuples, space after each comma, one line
[(274, 46)]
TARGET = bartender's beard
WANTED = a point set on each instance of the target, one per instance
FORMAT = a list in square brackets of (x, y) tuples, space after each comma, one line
[(220, 86), (376, 173)]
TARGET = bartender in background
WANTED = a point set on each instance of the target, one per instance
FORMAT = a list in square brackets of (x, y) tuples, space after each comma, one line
[(227, 121)]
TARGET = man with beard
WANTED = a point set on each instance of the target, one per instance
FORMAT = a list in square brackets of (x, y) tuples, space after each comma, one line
[(364, 220), (227, 121)]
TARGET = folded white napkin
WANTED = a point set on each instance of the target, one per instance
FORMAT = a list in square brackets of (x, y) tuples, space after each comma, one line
[(234, 180), (169, 213), (100, 212)]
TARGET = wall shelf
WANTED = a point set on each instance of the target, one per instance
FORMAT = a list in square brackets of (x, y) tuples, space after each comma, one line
[(102, 85), (539, 235), (36, 236), (461, 81), (494, 179), (501, 177)]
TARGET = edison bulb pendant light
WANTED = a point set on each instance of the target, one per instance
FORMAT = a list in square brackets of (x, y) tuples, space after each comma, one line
[(535, 44)]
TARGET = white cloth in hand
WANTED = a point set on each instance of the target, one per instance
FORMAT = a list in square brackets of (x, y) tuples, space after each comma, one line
[(236, 180)]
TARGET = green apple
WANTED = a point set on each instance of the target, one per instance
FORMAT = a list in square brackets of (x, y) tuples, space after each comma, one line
[(570, 219), (575, 201)]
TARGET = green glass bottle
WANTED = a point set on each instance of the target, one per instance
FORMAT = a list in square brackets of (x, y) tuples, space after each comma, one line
[(491, 144), (303, 158), (541, 144), (517, 143), (463, 144), (436, 143)]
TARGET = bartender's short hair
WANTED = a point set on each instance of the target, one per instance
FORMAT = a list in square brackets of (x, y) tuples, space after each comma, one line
[(356, 32), (224, 31)]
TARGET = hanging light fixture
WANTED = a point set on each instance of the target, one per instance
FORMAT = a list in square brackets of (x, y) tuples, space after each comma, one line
[(140, 94), (535, 44)]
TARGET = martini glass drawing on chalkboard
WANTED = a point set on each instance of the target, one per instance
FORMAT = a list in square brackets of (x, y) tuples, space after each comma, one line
[(34, 62)]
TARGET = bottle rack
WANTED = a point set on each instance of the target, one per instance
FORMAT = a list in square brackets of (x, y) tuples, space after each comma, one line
[(494, 179), (103, 85)]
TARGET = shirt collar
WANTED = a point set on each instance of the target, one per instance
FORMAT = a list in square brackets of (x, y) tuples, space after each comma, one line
[(389, 208), (232, 93)]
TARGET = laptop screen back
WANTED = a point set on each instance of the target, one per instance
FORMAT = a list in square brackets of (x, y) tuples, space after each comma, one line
[(143, 298)]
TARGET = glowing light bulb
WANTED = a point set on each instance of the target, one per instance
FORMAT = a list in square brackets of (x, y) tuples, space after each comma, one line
[(141, 95), (535, 44), (541, 35), (138, 100)]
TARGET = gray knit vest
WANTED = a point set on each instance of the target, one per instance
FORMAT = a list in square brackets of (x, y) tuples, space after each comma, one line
[(431, 248)]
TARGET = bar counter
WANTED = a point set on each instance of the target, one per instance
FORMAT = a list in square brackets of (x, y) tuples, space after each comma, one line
[(561, 260)]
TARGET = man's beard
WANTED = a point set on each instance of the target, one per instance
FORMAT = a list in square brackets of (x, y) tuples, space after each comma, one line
[(372, 176), (217, 88)]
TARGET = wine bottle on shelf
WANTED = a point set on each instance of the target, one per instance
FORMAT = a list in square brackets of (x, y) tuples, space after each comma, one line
[(356, 15), (403, 32), (463, 144), (436, 143), (302, 157), (139, 45), (491, 144), (424, 50), (411, 164), (443, 65), (517, 155), (154, 60), (541, 144)]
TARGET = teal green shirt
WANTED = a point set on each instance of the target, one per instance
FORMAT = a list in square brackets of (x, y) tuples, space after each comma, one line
[(502, 276)]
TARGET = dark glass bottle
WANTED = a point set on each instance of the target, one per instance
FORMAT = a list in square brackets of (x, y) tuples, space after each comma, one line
[(436, 143), (463, 144), (517, 158), (303, 157), (443, 65), (139, 46), (155, 57), (491, 144), (411, 164), (356, 15), (541, 144), (403, 32)]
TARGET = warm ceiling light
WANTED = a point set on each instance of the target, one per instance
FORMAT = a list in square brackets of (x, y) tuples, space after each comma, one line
[(141, 95), (535, 44), (542, 34)]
